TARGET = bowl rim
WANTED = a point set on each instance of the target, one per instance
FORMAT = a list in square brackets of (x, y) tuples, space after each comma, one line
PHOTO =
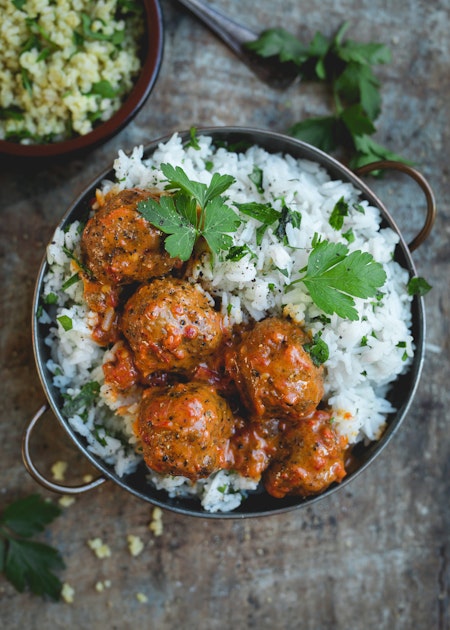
[(264, 138), (148, 74)]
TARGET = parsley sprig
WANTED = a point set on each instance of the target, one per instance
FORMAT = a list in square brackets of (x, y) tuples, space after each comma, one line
[(346, 67), (28, 564), (195, 210), (334, 277)]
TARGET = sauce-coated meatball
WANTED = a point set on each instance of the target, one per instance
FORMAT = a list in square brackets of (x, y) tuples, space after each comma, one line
[(309, 459), (185, 429), (274, 374), (170, 325), (253, 445), (119, 246)]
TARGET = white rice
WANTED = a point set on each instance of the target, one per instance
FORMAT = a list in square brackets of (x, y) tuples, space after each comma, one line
[(365, 356)]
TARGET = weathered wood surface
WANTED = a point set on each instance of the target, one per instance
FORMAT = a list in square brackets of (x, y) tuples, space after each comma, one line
[(374, 556)]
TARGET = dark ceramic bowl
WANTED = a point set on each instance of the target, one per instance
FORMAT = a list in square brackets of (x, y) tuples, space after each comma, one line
[(151, 63), (257, 503)]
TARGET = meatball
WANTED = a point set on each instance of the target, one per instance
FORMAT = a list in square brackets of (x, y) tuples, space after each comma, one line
[(119, 246), (310, 458), (253, 445), (185, 429), (170, 326), (273, 373)]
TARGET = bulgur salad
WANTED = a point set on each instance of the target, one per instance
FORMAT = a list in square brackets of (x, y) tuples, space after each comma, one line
[(65, 65)]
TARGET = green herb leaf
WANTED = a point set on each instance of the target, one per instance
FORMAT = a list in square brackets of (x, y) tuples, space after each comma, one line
[(263, 212), (78, 262), (193, 142), (218, 224), (346, 67), (318, 350), (279, 42), (13, 113), (371, 53), (322, 132), (202, 193), (51, 298), (31, 564), (286, 217), (340, 211), (81, 403), (357, 121), (65, 322), (256, 176), (29, 516), (237, 252), (349, 236), (368, 151), (104, 89), (26, 81), (26, 563), (334, 277), (178, 216), (171, 219), (115, 38), (72, 280), (418, 286)]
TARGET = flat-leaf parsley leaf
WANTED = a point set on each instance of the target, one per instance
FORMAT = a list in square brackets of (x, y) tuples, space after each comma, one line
[(334, 277), (195, 210), (346, 67), (418, 286), (27, 563)]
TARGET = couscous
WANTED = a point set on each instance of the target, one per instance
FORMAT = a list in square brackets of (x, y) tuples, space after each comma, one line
[(65, 65)]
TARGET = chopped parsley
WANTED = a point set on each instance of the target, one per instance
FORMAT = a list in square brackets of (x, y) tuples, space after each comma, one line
[(51, 298), (66, 322), (87, 32), (193, 140), (287, 216), (72, 280), (81, 402), (340, 211), (268, 216), (256, 176), (237, 252), (317, 349), (349, 235), (104, 89)]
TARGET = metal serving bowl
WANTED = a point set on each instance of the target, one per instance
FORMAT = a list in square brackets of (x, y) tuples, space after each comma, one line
[(152, 51), (257, 503)]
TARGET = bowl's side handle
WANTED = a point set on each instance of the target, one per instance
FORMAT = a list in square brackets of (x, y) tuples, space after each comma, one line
[(38, 476), (425, 186)]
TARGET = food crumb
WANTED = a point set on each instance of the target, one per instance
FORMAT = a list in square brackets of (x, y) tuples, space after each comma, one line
[(135, 544), (99, 548), (100, 586), (67, 593), (66, 501), (87, 478), (142, 598), (59, 470), (156, 524)]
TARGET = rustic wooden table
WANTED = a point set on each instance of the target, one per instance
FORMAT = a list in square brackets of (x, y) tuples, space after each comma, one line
[(374, 556)]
